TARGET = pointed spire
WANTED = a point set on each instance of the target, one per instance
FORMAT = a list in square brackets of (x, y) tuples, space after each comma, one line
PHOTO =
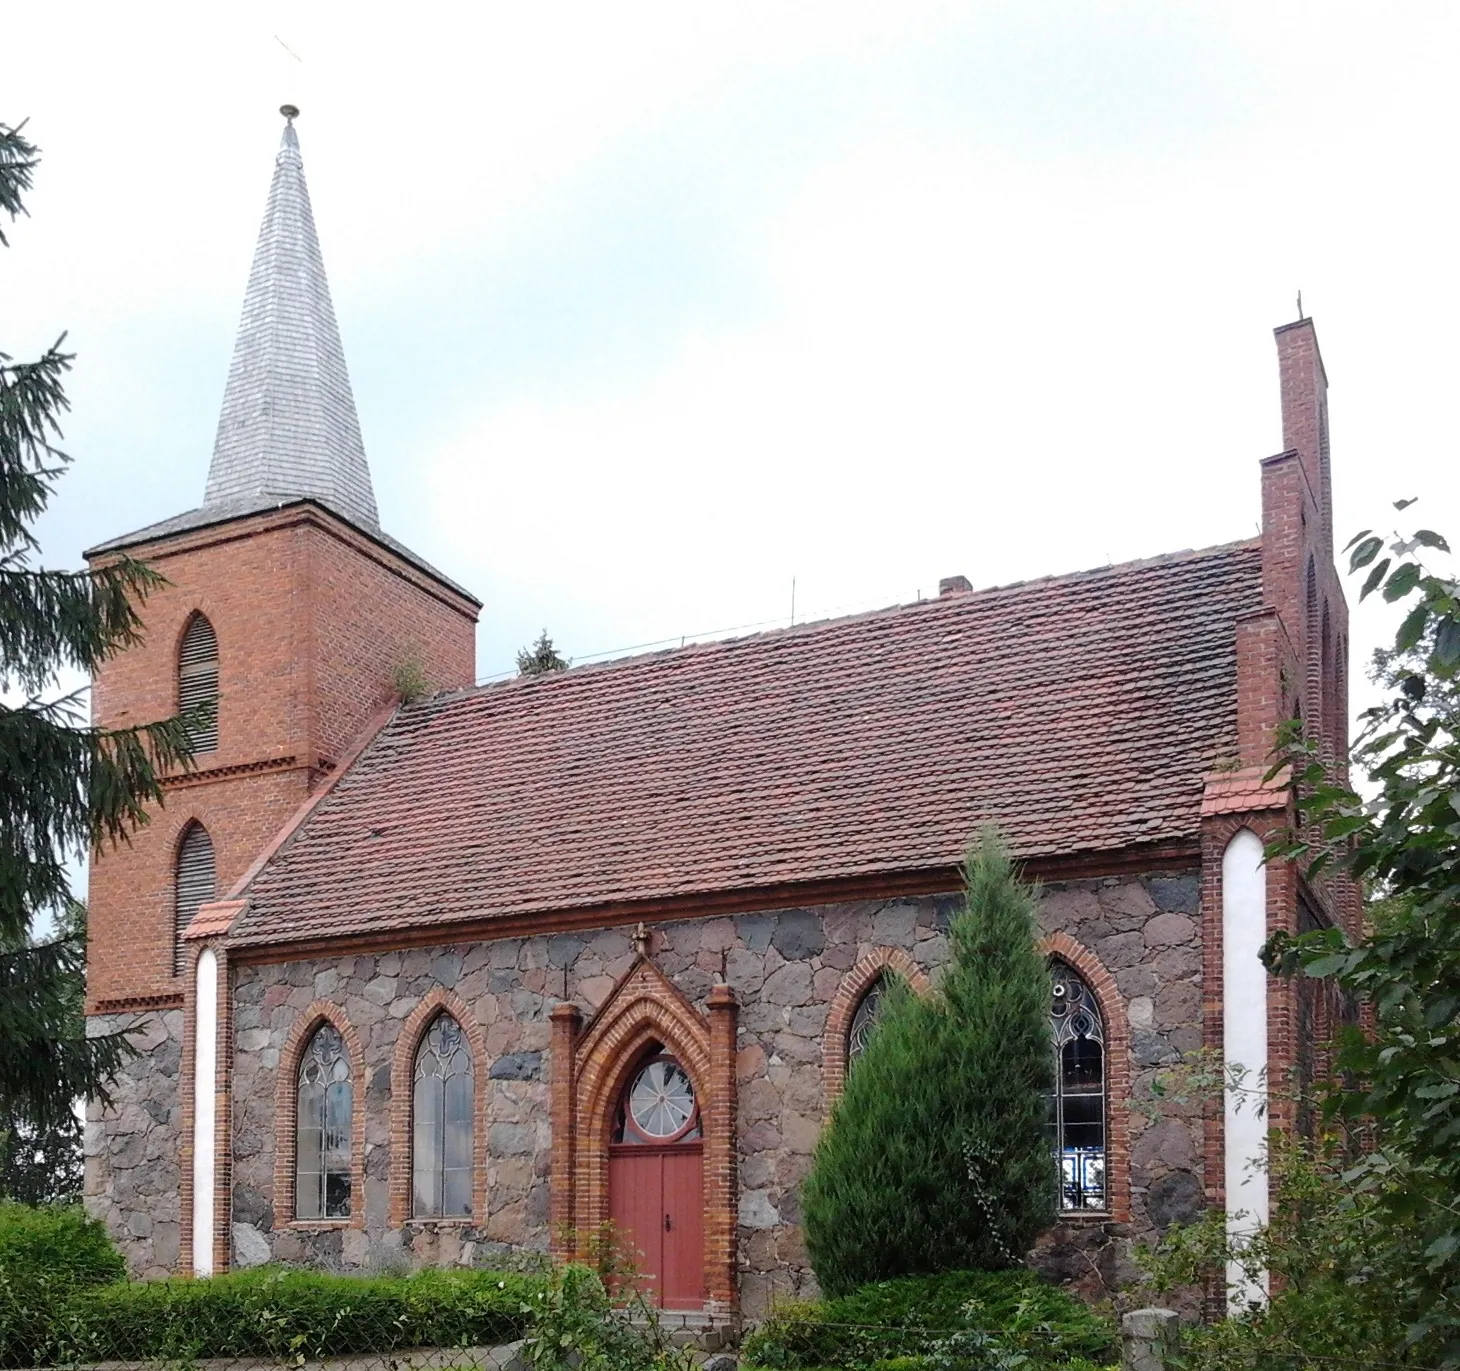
[(288, 427)]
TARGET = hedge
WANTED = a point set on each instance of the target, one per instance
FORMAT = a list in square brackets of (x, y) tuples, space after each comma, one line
[(46, 1256), (276, 1313), (911, 1317)]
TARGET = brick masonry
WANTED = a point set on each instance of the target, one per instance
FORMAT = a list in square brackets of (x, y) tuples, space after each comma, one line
[(1135, 940), (312, 619)]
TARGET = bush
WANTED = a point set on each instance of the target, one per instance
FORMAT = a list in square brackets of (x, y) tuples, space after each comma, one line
[(271, 1312), (922, 1316), (46, 1255), (937, 1156), (578, 1328)]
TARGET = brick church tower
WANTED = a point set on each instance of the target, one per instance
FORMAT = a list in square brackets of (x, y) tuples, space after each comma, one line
[(285, 603)]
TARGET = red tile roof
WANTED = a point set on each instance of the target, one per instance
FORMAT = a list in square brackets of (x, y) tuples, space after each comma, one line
[(1081, 713)]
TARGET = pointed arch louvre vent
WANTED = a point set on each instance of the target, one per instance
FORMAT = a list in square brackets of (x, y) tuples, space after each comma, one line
[(197, 680), (196, 884)]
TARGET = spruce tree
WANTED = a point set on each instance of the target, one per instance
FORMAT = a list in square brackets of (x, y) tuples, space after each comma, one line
[(541, 659), (65, 787), (937, 1155)]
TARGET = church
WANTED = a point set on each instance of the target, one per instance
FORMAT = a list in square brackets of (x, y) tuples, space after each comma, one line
[(432, 980)]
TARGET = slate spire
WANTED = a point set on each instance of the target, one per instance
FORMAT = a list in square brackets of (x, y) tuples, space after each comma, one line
[(288, 427)]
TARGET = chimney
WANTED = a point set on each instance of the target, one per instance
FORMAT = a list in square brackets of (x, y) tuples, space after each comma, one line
[(1305, 416), (953, 585)]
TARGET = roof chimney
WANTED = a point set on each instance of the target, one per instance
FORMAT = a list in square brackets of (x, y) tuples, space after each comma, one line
[(953, 585)]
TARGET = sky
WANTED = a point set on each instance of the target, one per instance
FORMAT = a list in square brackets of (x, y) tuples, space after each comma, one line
[(653, 310)]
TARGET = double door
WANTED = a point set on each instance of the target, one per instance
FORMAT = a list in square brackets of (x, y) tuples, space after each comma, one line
[(656, 1202)]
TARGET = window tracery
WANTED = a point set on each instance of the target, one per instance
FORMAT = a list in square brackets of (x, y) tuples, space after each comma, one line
[(441, 1122), (323, 1129), (1077, 1104)]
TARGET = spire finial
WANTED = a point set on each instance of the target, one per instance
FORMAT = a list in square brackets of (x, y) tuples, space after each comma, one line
[(290, 112)]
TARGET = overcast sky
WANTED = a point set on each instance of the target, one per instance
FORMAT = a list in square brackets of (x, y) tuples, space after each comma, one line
[(651, 308)]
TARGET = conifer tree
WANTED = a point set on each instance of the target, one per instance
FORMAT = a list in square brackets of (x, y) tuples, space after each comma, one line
[(541, 658), (64, 786), (937, 1155)]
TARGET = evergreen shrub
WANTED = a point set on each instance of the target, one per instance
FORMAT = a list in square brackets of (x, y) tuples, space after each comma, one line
[(937, 1155), (919, 1318), (46, 1255)]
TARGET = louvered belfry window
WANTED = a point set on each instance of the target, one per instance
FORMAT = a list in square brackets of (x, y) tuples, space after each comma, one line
[(197, 681), (195, 885)]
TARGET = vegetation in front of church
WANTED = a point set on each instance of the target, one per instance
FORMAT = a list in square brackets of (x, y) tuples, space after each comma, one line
[(1364, 1244), (65, 1299), (936, 1157), (984, 1318), (64, 786)]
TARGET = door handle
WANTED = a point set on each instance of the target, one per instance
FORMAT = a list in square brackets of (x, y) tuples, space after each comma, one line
[(667, 1224)]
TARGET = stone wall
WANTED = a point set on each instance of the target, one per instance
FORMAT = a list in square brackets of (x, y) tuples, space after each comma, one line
[(131, 1145), (785, 967)]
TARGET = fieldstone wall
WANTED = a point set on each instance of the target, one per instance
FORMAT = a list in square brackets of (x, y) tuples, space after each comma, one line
[(785, 966), (131, 1145)]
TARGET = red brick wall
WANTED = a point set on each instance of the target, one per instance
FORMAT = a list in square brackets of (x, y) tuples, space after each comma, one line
[(312, 618), (367, 620)]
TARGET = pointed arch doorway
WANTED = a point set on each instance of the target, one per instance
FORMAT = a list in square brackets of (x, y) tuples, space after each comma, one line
[(670, 1154), (656, 1180)]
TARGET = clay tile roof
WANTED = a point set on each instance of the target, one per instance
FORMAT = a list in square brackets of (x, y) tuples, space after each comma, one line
[(1081, 713)]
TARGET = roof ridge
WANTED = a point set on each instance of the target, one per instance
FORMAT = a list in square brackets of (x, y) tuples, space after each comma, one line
[(933, 604)]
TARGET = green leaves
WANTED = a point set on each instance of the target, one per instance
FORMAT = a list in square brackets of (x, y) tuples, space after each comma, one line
[(65, 786), (1402, 1079)]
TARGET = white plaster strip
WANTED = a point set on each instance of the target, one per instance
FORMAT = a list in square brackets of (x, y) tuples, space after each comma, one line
[(1244, 1050), (205, 1083)]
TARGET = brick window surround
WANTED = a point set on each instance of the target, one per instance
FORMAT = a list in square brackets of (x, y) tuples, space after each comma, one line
[(402, 1092), (1117, 1074), (286, 1117), (844, 1004), (591, 1067)]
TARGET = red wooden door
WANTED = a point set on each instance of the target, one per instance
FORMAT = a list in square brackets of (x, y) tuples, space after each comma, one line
[(656, 1201)]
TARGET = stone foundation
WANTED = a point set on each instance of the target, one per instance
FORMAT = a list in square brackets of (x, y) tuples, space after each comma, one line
[(131, 1145)]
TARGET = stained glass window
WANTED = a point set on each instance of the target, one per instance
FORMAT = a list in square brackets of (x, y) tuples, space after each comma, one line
[(324, 1120), (864, 1021), (658, 1106), (441, 1143), (1077, 1107)]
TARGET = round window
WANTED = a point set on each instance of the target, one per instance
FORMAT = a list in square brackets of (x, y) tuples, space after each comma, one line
[(661, 1100)]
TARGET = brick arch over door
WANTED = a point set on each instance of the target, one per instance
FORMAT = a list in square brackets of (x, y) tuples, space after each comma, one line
[(854, 985), (402, 1092), (286, 1115), (1117, 1067), (590, 1072)]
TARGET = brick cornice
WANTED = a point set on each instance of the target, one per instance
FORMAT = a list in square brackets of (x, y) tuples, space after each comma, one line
[(292, 515), (180, 780), (1172, 856)]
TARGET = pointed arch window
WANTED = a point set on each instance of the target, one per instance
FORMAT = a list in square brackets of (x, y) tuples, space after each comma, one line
[(195, 882), (324, 1122), (1077, 1106), (441, 1123), (197, 681), (864, 1021)]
